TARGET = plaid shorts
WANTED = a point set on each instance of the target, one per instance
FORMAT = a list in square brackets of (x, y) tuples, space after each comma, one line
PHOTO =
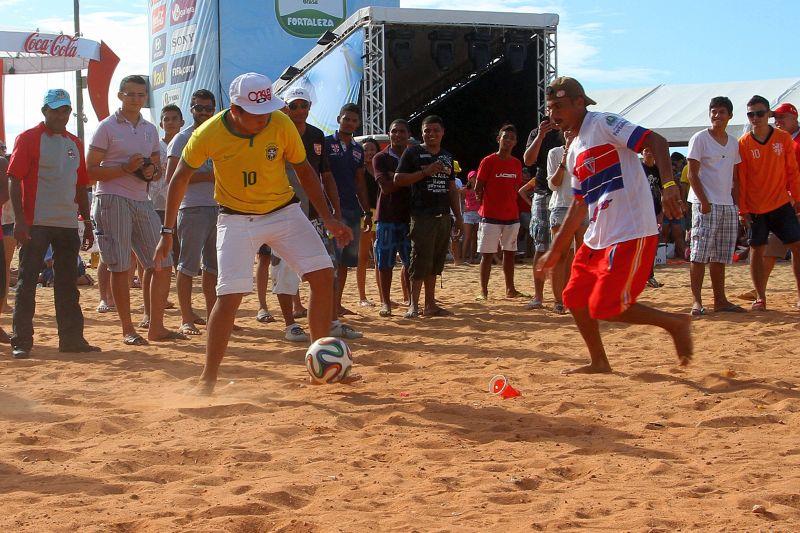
[(714, 234)]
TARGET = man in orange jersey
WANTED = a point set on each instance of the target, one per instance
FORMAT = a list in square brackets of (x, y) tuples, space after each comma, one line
[(767, 170)]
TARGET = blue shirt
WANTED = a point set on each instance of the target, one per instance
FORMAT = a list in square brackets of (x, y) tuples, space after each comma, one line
[(344, 160)]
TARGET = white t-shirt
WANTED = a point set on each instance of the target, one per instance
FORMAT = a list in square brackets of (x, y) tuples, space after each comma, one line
[(562, 194), (716, 167), (607, 174)]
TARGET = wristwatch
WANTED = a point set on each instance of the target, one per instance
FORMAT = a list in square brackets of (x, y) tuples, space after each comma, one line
[(167, 231)]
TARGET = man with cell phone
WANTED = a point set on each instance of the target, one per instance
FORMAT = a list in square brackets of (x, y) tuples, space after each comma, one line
[(124, 157)]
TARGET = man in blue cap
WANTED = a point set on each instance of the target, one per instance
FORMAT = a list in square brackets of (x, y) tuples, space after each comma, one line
[(48, 186)]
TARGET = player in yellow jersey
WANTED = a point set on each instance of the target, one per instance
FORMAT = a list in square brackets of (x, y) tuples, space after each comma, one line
[(250, 144)]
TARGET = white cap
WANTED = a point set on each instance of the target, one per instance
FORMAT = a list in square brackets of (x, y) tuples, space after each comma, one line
[(253, 93), (297, 93)]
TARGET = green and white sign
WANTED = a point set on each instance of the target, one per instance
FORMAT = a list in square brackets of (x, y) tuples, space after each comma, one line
[(309, 18)]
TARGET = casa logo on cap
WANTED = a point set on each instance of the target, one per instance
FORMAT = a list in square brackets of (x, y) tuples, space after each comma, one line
[(260, 96)]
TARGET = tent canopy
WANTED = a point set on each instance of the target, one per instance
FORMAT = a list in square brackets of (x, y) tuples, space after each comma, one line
[(679, 111)]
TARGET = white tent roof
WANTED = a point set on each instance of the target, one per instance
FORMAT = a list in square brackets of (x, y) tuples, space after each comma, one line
[(679, 111)]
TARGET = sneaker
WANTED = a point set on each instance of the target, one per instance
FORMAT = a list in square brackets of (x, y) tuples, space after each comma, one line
[(296, 333), (345, 332)]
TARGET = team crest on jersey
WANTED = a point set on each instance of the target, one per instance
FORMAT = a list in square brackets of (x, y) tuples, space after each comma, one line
[(611, 119), (588, 163), (71, 153), (357, 155), (272, 151), (318, 148), (777, 148), (335, 148)]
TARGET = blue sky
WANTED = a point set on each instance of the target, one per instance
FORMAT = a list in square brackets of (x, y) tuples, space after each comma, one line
[(605, 44)]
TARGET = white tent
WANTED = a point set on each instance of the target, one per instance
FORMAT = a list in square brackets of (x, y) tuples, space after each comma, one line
[(679, 111)]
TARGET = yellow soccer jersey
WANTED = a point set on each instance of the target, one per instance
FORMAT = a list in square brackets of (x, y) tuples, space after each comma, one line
[(250, 171)]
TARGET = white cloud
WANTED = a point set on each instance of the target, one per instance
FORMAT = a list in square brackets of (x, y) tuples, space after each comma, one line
[(125, 34)]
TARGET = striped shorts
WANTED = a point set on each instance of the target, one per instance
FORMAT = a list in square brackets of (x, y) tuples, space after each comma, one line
[(714, 234), (122, 225)]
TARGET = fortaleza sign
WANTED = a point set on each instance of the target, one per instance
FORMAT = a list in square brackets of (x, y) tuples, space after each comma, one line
[(309, 18)]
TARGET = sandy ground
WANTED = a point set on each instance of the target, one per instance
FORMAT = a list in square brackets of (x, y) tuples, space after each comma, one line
[(113, 442)]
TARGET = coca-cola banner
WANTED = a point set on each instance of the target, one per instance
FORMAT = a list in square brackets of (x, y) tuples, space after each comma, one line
[(207, 43), (49, 44)]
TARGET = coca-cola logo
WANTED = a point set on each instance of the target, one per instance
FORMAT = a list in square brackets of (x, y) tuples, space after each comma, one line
[(260, 96), (158, 18), (182, 10), (51, 45)]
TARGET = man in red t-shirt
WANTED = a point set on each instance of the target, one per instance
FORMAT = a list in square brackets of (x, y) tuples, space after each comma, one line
[(499, 179)]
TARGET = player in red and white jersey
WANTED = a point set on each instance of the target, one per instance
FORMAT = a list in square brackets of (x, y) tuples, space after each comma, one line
[(611, 268)]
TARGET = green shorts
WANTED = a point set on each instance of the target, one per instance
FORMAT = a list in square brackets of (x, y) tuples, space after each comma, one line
[(430, 239)]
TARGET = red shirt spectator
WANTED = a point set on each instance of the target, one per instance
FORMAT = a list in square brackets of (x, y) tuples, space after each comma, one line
[(502, 178)]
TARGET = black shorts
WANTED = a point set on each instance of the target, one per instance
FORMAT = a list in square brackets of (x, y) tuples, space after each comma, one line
[(781, 221)]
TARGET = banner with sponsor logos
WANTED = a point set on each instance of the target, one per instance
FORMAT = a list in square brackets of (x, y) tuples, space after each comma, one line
[(207, 43), (184, 52), (333, 81)]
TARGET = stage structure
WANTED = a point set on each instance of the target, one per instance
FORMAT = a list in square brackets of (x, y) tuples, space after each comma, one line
[(39, 53), (477, 70), (205, 44)]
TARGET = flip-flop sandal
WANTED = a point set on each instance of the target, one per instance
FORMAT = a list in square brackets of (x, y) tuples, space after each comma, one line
[(173, 336), (199, 321), (105, 308), (534, 304), (481, 298), (366, 303), (411, 314), (519, 295), (733, 308), (385, 313), (300, 314), (135, 340), (189, 329), (698, 311), (145, 324), (559, 309), (265, 317), (759, 305)]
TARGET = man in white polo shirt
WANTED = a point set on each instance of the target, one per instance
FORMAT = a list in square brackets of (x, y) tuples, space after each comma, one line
[(713, 155), (124, 157), (250, 144)]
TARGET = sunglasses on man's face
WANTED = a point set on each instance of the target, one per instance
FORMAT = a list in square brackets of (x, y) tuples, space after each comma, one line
[(298, 105), (759, 114), (200, 108)]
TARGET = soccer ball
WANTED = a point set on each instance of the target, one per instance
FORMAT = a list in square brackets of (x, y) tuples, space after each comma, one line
[(329, 360)]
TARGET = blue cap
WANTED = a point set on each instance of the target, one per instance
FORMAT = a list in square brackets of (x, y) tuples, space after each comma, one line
[(56, 98)]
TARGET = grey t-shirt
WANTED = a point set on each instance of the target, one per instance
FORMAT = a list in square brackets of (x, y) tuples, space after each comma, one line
[(197, 194)]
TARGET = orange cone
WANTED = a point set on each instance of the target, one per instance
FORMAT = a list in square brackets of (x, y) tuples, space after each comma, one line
[(499, 385)]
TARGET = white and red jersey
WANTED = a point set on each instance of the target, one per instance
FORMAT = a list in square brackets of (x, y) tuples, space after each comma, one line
[(608, 176)]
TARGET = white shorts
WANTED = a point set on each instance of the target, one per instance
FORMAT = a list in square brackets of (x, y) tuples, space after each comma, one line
[(284, 279), (287, 231), (491, 235)]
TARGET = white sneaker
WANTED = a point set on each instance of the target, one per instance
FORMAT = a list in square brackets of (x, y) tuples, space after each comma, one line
[(295, 333), (345, 332)]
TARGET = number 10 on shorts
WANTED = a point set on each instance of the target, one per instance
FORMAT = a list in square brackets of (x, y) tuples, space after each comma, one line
[(249, 178)]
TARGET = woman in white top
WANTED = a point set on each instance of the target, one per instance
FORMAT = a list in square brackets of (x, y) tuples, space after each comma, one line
[(560, 183)]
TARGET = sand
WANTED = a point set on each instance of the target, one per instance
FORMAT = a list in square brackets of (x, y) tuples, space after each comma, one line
[(113, 442)]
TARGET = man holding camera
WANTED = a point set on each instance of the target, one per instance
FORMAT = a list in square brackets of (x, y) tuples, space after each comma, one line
[(124, 156)]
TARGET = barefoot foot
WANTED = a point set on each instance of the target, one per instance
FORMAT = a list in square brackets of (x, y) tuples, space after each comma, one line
[(589, 369)]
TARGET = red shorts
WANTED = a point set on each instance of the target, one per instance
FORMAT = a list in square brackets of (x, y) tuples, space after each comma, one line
[(608, 281)]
